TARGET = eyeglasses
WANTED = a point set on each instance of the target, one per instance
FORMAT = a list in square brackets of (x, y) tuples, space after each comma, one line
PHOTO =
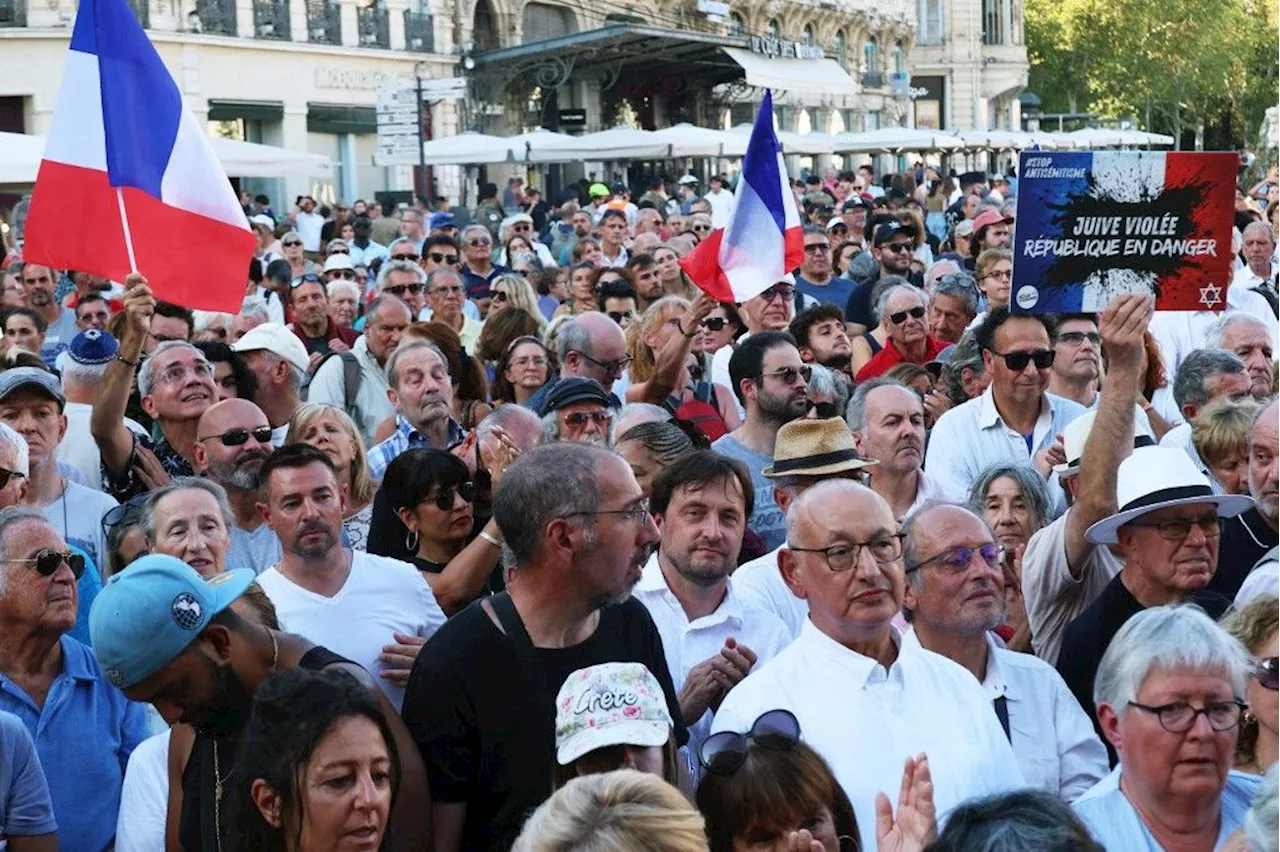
[(1266, 673), (958, 559), (6, 475), (237, 437), (725, 752), (445, 497), (291, 243), (714, 323), (176, 373), (581, 418), (478, 243), (500, 296), (1000, 275), (400, 289), (899, 317), (1180, 717), (613, 368), (450, 259), (1018, 361), (49, 560), (1075, 338), (783, 291), (446, 288), (788, 375), (308, 278), (344, 274), (1178, 530), (897, 247), (638, 513), (817, 248), (841, 557)]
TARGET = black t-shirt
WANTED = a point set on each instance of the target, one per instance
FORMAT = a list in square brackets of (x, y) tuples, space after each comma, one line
[(1245, 538), (1086, 639), (486, 736)]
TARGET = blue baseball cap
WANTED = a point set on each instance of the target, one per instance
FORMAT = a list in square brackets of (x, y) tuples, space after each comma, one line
[(441, 220), (149, 613)]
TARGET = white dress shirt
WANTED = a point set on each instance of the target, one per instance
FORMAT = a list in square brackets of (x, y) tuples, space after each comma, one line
[(1052, 737), (973, 436), (931, 490), (760, 585), (687, 643), (866, 721)]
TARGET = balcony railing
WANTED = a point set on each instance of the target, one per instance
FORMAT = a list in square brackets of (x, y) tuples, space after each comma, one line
[(374, 26), (214, 17), (324, 22), (419, 32), (271, 19), (13, 13), (872, 80)]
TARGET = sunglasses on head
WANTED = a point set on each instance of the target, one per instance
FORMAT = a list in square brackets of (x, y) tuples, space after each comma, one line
[(237, 437), (1266, 673), (725, 752), (436, 257), (48, 560), (309, 278), (1018, 361), (444, 499), (715, 323), (899, 317)]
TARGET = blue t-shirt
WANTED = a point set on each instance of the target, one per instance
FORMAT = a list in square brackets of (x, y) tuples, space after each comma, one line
[(25, 807), (767, 520), (835, 292)]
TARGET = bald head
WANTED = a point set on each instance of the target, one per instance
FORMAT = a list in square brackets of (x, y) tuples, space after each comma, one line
[(588, 342), (810, 510), (233, 440), (230, 414)]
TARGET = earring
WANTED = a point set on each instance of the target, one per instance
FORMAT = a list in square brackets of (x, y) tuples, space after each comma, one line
[(411, 541)]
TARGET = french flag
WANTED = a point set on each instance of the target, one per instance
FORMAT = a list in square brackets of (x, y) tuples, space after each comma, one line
[(764, 240), (129, 181)]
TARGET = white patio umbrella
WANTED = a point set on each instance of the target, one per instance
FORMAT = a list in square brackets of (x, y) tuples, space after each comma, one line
[(794, 143), (894, 139), (618, 143), (466, 149), (524, 146), (1102, 137), (686, 140)]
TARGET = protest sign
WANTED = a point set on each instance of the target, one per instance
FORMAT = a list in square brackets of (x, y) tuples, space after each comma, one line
[(1094, 225)]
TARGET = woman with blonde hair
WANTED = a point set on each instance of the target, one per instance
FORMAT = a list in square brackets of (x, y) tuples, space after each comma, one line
[(333, 433), (515, 291), (1257, 625), (291, 244), (621, 811), (1221, 436)]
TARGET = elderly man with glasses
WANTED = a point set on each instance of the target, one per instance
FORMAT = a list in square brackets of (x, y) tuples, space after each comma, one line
[(867, 699), (590, 346), (478, 269), (904, 306)]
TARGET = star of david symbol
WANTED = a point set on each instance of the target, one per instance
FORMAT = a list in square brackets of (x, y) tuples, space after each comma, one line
[(1210, 295)]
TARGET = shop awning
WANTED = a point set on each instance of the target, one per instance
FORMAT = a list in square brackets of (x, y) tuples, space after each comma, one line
[(808, 76)]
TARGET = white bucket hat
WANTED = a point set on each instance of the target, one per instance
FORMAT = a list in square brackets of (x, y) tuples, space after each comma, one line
[(1155, 478)]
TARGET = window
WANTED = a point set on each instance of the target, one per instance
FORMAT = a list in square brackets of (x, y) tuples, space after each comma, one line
[(737, 25), (873, 120), (899, 59), (808, 35), (543, 21), (930, 13), (871, 56), (842, 51), (993, 16)]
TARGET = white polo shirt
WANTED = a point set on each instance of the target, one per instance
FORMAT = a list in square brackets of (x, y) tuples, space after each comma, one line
[(687, 643), (1052, 738), (866, 720), (760, 585)]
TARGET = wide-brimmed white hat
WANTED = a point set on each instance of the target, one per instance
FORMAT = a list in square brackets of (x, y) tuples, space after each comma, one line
[(1076, 434), (1155, 478)]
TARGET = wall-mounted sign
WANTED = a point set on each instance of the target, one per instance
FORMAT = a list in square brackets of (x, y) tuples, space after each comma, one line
[(573, 118), (783, 49)]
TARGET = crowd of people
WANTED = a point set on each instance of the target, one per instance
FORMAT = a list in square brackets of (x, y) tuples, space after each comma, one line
[(486, 529)]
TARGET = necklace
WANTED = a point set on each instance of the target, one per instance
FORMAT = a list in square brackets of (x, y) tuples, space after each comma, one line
[(219, 781)]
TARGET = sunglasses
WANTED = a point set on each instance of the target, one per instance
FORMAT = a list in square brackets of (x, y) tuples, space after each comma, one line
[(237, 437), (784, 291), (699, 229), (411, 257), (1018, 361), (291, 243), (899, 317), (309, 278), (6, 475), (339, 251), (400, 289), (500, 295), (897, 247), (725, 752), (581, 418), (444, 499), (788, 375), (436, 257), (343, 274), (478, 243), (715, 323), (49, 560), (1266, 673), (824, 410), (817, 248), (619, 317)]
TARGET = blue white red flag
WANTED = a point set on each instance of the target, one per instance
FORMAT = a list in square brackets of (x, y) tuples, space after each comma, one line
[(764, 240), (1092, 225), (129, 180)]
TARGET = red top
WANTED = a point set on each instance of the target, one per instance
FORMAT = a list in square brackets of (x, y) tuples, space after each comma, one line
[(889, 356)]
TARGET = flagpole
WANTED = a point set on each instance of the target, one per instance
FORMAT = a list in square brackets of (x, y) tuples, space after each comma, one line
[(128, 237)]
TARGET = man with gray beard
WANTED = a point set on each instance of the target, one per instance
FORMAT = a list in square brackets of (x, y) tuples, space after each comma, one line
[(233, 439)]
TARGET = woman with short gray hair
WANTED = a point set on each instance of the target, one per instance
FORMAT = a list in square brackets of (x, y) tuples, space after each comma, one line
[(1169, 696)]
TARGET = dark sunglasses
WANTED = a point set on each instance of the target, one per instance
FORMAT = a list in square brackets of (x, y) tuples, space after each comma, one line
[(725, 752), (118, 514), (236, 437), (784, 291), (412, 257), (436, 257), (309, 278), (897, 247), (478, 243), (344, 274), (824, 410), (580, 418), (49, 560), (619, 316), (291, 243), (714, 323), (400, 289), (500, 296), (6, 475), (1018, 361), (899, 317), (788, 375), (1266, 673), (339, 251), (444, 500)]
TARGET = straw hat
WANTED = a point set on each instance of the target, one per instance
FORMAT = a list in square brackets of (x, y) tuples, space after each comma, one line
[(815, 448)]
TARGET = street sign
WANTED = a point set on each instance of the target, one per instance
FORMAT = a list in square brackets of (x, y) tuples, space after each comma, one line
[(399, 133), (444, 89)]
